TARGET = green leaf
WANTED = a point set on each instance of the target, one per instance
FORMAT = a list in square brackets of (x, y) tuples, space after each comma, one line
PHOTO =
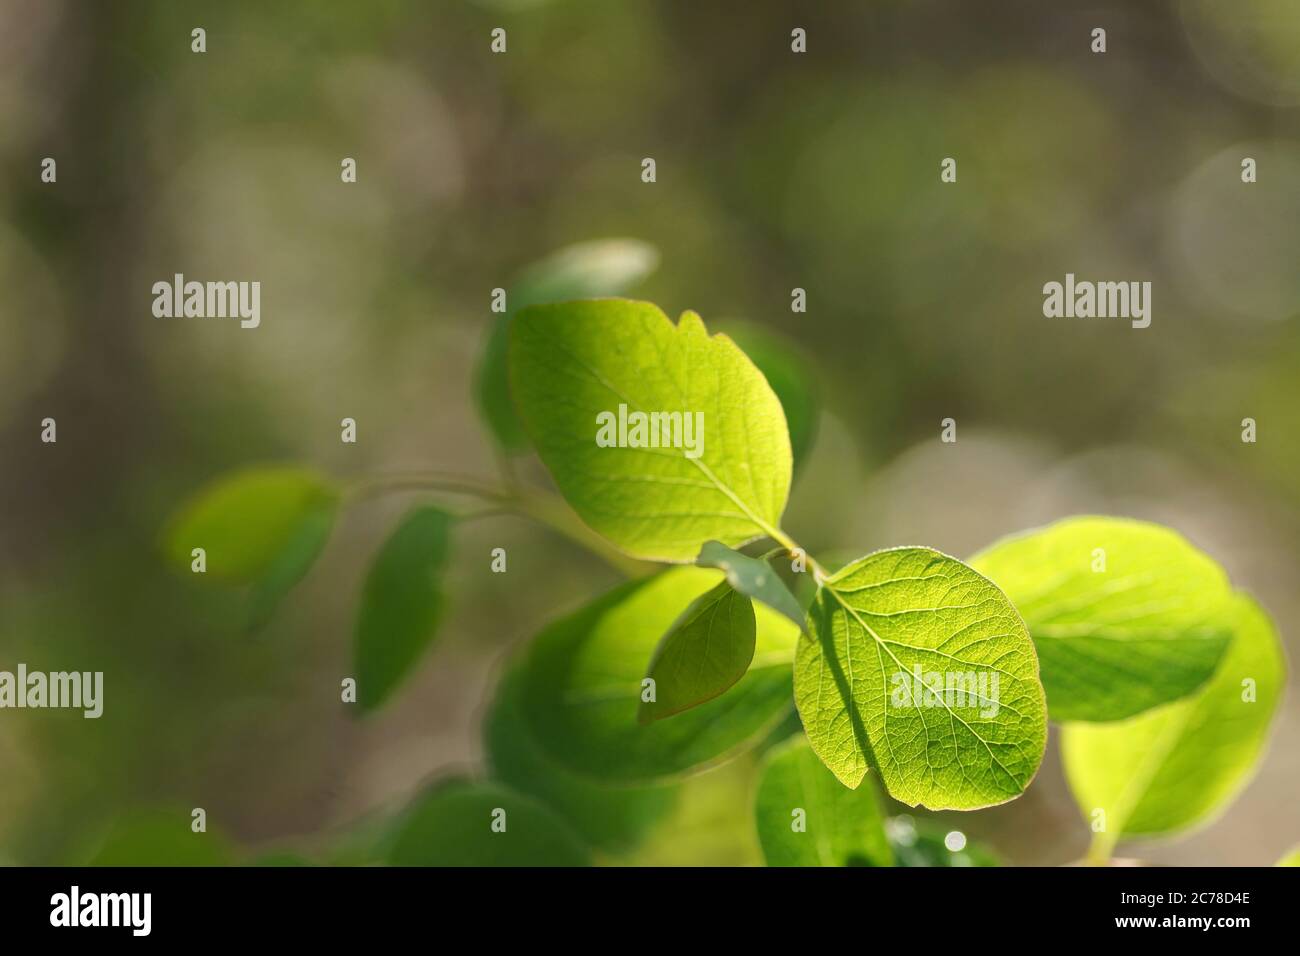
[(1291, 859), (612, 818), (806, 817), (244, 521), (584, 270), (791, 376), (574, 363), (161, 838), (452, 825), (753, 578), (884, 621), (292, 563), (706, 650), (582, 686), (1183, 763), (401, 604), (1114, 642)]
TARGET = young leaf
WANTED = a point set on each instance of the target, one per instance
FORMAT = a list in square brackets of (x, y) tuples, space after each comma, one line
[(401, 604), (292, 563), (920, 668), (588, 370), (584, 270), (1180, 764), (465, 823), (706, 650), (1122, 612), (806, 817), (582, 686), (791, 376), (244, 521), (612, 818), (752, 577)]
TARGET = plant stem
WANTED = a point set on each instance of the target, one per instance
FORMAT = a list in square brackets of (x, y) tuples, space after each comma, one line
[(790, 545), (445, 482), (544, 509)]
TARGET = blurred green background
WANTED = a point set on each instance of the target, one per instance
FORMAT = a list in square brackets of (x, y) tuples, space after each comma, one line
[(775, 171)]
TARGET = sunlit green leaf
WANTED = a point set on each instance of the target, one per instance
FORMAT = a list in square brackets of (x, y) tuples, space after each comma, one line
[(586, 370), (1291, 859), (599, 267), (919, 668), (1181, 764), (705, 651), (806, 817), (1122, 612), (466, 823), (582, 686), (401, 604)]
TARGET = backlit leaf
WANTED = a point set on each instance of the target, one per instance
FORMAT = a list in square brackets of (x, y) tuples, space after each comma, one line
[(919, 668), (583, 370), (705, 651), (1122, 612), (1179, 765)]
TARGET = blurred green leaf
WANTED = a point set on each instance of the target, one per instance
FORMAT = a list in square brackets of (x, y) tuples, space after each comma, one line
[(574, 362), (582, 686), (292, 563), (612, 818), (599, 267), (1180, 764), (161, 838), (880, 631), (806, 817), (1291, 859), (246, 520), (1113, 642), (752, 577), (401, 604), (705, 651), (452, 824), (791, 375)]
